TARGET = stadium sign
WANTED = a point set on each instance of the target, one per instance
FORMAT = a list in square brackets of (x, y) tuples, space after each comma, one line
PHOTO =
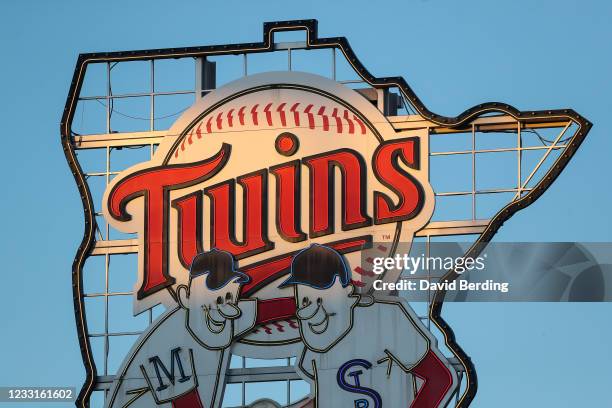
[(255, 219), (319, 169)]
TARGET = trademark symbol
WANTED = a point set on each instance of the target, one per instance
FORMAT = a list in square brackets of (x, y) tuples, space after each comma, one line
[(386, 236)]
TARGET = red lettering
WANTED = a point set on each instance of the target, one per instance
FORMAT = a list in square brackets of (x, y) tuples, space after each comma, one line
[(387, 170), (288, 208), (190, 226), (154, 185), (352, 168), (389, 164), (255, 215)]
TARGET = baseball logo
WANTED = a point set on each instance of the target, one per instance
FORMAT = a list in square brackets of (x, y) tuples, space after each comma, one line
[(262, 168), (257, 220)]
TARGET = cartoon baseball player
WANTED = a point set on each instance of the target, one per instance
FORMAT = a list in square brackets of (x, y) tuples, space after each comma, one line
[(190, 372), (362, 351)]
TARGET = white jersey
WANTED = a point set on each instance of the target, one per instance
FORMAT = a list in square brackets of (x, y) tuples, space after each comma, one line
[(157, 372), (369, 366)]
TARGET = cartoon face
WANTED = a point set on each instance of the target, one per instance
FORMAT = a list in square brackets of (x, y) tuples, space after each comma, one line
[(212, 298), (325, 315), (211, 311)]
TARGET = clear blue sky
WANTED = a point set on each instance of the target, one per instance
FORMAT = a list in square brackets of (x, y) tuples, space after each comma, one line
[(531, 54)]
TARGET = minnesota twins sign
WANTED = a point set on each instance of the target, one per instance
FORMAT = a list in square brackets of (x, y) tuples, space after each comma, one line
[(256, 220), (287, 140)]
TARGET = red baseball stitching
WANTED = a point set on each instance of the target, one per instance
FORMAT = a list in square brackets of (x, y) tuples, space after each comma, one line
[(278, 326), (275, 114), (363, 272), (357, 283)]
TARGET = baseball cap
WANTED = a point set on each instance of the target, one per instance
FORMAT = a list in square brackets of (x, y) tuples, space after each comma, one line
[(317, 266), (220, 267)]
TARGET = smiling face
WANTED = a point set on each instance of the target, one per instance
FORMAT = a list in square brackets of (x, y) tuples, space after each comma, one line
[(211, 311), (325, 315)]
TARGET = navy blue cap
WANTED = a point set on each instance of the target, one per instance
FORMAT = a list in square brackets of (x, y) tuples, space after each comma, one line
[(317, 266), (220, 267)]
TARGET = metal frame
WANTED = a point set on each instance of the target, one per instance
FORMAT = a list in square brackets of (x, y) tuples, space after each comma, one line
[(472, 120)]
